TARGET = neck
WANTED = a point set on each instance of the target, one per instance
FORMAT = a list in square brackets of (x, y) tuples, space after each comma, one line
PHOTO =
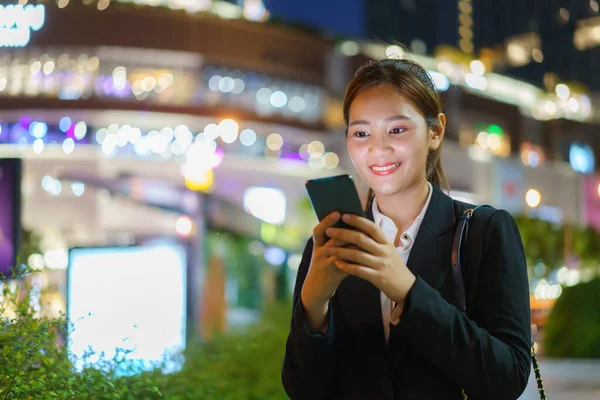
[(404, 207)]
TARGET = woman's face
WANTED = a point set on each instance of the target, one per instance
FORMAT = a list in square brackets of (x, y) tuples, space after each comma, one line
[(389, 139)]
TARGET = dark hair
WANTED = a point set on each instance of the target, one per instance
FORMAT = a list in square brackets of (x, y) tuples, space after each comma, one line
[(413, 82)]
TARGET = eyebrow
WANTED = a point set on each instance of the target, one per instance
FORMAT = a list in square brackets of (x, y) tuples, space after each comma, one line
[(388, 119)]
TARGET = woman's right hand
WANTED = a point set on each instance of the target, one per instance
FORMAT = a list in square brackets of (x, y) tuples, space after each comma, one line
[(323, 277)]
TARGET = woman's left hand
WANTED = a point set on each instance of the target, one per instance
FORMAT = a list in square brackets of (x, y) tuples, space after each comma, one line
[(374, 258)]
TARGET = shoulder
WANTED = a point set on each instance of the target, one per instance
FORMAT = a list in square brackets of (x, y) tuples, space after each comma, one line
[(486, 217)]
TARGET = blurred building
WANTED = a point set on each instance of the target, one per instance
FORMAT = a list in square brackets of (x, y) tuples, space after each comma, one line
[(201, 120)]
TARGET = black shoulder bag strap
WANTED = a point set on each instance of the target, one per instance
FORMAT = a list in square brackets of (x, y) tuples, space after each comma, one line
[(460, 300)]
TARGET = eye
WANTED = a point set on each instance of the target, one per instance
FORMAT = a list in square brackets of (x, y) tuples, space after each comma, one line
[(397, 130), (360, 134)]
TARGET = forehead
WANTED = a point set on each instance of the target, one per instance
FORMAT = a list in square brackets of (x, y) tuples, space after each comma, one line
[(382, 101)]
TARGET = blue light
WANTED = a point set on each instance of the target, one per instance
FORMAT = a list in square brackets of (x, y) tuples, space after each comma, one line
[(441, 81), (275, 256), (581, 158), (38, 129), (65, 124)]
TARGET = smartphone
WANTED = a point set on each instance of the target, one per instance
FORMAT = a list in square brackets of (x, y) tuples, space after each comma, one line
[(335, 193)]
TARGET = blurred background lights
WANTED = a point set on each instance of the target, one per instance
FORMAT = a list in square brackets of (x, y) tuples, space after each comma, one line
[(184, 226), (477, 67), (330, 160), (38, 129), (199, 180), (349, 48), (533, 198), (316, 149), (211, 131), (64, 124), (267, 204), (562, 91), (80, 130), (78, 188), (68, 145), (228, 130), (38, 146), (278, 99), (274, 141), (275, 256), (247, 137)]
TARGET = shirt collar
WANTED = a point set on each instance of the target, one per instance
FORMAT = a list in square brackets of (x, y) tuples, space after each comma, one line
[(388, 225)]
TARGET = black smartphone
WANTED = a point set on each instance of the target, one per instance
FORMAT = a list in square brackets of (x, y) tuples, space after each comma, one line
[(335, 193)]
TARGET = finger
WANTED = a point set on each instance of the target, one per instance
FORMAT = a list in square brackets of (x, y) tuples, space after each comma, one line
[(360, 271), (354, 256), (367, 226), (334, 243), (357, 238), (319, 236)]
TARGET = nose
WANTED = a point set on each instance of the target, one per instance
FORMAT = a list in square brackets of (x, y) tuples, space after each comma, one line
[(379, 145)]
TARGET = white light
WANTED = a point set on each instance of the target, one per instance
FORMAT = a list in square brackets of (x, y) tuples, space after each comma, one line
[(64, 124), (16, 22), (109, 144), (267, 204), (38, 146), (213, 83), (350, 48), (278, 99), (316, 149), (297, 104), (394, 52), (101, 135), (78, 188), (533, 198), (38, 129), (330, 160), (68, 145), (36, 261), (183, 136), (55, 187), (573, 104), (226, 84), (228, 130), (572, 278), (263, 96), (248, 137), (80, 130), (239, 86), (56, 258), (476, 81), (36, 67), (494, 142), (254, 10), (441, 81), (274, 141), (315, 163), (562, 91), (550, 107), (211, 131), (47, 183), (477, 67), (274, 256), (184, 226), (135, 135), (48, 67)]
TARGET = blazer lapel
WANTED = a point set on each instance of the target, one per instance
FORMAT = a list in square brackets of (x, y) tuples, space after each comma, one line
[(429, 258)]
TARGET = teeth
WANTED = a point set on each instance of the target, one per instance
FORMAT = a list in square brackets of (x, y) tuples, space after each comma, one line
[(382, 169)]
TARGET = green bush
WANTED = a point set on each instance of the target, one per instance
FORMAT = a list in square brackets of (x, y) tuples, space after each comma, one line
[(573, 328), (34, 365)]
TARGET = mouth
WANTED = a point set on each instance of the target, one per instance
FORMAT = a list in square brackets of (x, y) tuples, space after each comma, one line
[(384, 169)]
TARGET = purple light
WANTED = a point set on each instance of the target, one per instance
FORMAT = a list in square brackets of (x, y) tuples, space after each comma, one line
[(292, 156), (108, 86), (25, 122), (99, 83), (71, 132)]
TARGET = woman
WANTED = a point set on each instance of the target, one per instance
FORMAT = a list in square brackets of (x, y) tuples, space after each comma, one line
[(374, 314)]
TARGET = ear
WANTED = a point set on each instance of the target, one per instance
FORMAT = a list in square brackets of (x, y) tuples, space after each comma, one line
[(436, 132)]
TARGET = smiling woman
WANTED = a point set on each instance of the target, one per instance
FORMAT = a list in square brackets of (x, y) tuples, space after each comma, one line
[(375, 312)]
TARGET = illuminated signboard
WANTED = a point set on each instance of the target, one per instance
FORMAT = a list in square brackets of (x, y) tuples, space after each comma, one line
[(17, 22)]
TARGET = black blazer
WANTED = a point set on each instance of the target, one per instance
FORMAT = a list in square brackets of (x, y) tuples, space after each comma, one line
[(435, 350)]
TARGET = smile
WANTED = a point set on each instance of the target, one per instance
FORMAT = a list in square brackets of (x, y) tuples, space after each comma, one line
[(385, 169)]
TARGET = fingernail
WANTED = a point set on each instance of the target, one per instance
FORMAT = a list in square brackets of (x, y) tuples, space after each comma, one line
[(328, 231), (347, 217), (335, 215)]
